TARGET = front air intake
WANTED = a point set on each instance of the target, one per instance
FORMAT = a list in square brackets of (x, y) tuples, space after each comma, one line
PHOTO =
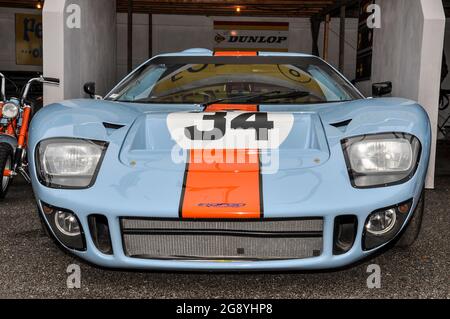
[(345, 228), (99, 229)]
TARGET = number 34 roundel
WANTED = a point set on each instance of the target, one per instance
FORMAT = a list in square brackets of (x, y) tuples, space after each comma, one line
[(230, 130)]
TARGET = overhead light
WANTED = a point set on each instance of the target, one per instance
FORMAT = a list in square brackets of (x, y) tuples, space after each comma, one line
[(39, 4), (238, 9)]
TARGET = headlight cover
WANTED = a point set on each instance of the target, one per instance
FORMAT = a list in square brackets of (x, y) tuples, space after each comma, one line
[(10, 110), (69, 162), (380, 160)]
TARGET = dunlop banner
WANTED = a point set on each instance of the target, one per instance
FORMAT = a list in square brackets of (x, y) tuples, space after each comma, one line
[(251, 36), (28, 39)]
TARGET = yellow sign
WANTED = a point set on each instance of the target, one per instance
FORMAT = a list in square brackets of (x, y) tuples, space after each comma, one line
[(28, 39)]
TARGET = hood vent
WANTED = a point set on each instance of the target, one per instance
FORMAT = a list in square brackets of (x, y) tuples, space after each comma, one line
[(112, 127), (342, 126)]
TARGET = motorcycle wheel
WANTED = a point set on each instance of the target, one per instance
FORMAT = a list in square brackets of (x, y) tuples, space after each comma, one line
[(6, 162)]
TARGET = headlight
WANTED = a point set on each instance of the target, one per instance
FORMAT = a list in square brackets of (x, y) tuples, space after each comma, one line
[(381, 222), (10, 110), (69, 163), (384, 224), (382, 159), (67, 223)]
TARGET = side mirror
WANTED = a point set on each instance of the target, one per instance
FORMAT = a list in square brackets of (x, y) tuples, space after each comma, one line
[(381, 89), (89, 88)]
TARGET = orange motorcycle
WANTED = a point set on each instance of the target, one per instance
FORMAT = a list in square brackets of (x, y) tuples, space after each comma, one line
[(15, 117)]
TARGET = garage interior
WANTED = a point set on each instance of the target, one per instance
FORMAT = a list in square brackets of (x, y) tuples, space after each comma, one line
[(117, 36)]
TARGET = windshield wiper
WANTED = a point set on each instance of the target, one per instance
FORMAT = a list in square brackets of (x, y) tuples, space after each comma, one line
[(261, 96), (281, 95), (265, 96)]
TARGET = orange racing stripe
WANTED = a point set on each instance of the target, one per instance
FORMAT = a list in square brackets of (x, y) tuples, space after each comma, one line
[(223, 184), (232, 107), (235, 53)]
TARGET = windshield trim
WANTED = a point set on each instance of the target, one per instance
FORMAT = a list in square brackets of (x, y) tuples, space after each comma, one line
[(231, 60), (240, 103)]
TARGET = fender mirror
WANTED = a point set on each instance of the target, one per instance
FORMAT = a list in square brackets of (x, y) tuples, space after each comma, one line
[(381, 89), (89, 89)]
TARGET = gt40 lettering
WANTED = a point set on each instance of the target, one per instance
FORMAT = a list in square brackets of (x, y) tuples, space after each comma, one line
[(220, 205)]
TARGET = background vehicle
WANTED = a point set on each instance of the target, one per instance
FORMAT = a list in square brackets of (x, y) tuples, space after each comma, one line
[(15, 117)]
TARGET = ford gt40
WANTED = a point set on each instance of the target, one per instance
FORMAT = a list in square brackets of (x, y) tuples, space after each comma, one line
[(230, 161)]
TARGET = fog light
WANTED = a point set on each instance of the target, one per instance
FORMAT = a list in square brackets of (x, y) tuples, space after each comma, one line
[(383, 225), (65, 226), (67, 223), (381, 222)]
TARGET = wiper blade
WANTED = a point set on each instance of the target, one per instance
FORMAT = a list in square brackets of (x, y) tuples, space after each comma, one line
[(265, 96), (280, 95), (239, 97), (262, 96)]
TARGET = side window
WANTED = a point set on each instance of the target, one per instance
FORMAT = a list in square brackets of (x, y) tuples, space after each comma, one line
[(329, 87), (141, 87)]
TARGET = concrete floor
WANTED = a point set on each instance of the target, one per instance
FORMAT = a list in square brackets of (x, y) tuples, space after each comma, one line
[(31, 266)]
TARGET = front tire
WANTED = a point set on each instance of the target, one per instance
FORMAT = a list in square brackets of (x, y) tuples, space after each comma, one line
[(412, 230), (6, 162)]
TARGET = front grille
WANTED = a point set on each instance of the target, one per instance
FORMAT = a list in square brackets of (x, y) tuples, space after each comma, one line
[(210, 240)]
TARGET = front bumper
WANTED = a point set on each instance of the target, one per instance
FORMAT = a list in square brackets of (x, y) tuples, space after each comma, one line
[(120, 258), (154, 191)]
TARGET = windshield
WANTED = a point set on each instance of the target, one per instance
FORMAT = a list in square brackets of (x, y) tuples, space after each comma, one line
[(206, 80)]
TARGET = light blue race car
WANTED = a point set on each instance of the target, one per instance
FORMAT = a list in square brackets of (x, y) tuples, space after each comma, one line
[(205, 160)]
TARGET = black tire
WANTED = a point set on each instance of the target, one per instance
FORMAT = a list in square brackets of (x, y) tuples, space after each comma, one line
[(6, 158), (409, 236)]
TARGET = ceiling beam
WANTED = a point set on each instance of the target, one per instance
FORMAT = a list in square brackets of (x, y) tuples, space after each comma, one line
[(264, 8), (275, 8), (335, 7), (28, 4)]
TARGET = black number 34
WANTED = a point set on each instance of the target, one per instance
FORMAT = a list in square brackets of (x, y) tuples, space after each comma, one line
[(260, 124)]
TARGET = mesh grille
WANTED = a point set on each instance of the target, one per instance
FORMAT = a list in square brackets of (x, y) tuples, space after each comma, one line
[(249, 225), (283, 239)]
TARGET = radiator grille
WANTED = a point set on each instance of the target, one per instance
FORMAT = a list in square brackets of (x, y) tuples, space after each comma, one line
[(254, 240)]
